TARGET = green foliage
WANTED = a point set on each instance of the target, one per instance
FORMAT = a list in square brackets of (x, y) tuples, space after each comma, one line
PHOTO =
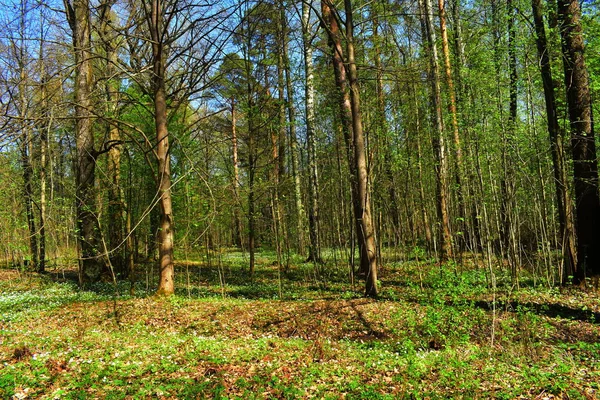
[(430, 337)]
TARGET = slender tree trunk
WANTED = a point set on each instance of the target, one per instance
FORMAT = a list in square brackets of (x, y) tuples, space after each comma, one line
[(116, 205), (277, 137), (585, 164), (314, 252), (252, 156), (293, 141), (384, 133), (43, 180), (360, 160), (459, 171), (78, 15), (424, 213), (166, 284), (346, 123), (236, 178), (28, 193), (438, 140), (26, 143), (563, 199), (507, 183)]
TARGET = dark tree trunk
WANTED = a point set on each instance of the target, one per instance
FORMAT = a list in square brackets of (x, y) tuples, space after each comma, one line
[(563, 200), (585, 165)]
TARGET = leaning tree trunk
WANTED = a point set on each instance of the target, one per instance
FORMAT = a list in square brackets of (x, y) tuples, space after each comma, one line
[(90, 266), (352, 125), (346, 122), (360, 159), (585, 164), (166, 284)]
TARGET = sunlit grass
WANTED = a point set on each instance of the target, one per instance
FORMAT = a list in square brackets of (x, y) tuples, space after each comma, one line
[(296, 331)]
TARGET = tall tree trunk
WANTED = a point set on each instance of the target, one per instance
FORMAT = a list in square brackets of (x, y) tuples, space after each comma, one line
[(293, 141), (236, 178), (165, 233), (116, 205), (26, 143), (438, 139), (252, 158), (346, 121), (384, 133), (90, 266), (585, 164), (563, 199), (360, 160), (44, 129), (459, 171), (507, 183), (27, 188), (314, 252)]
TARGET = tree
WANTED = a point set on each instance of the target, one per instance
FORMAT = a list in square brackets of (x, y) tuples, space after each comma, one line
[(563, 199), (583, 146), (313, 171), (438, 140), (90, 263), (347, 85)]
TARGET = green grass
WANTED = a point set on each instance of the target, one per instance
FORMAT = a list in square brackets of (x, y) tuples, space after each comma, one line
[(298, 333)]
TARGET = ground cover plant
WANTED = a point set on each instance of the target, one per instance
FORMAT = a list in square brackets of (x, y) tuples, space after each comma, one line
[(437, 331)]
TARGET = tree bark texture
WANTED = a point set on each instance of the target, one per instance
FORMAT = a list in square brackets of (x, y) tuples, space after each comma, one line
[(166, 284), (563, 199), (314, 250), (438, 139), (90, 266), (583, 146)]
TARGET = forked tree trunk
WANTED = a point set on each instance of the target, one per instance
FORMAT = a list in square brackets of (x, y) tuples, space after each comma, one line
[(585, 164)]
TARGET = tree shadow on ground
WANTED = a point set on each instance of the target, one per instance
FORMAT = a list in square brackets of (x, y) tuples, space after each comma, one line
[(550, 310)]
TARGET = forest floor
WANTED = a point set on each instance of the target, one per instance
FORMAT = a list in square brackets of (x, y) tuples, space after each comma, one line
[(436, 332)]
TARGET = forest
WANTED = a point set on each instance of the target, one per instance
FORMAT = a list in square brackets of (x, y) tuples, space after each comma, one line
[(299, 198)]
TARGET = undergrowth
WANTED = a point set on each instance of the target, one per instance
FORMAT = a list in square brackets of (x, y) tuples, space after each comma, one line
[(297, 331)]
